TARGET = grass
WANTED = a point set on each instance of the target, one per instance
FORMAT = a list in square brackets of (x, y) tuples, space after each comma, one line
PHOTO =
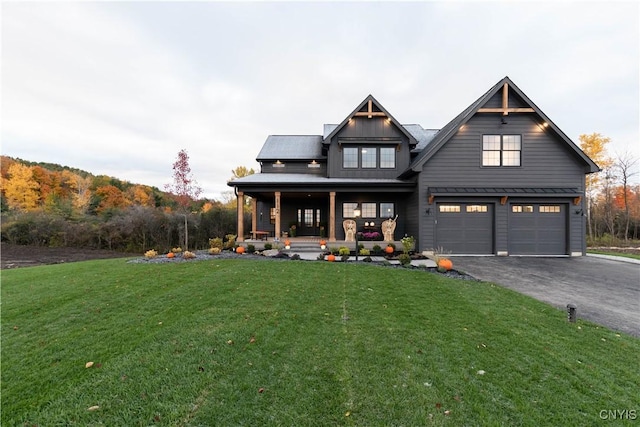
[(612, 253), (243, 342)]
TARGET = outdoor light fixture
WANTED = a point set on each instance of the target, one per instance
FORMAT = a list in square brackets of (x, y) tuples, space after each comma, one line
[(503, 121), (428, 211)]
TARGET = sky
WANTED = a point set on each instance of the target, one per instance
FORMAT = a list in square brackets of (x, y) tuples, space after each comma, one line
[(119, 88)]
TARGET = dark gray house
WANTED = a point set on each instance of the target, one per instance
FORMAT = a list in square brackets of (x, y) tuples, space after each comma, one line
[(500, 178)]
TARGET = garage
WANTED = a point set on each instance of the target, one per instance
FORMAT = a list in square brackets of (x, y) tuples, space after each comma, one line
[(465, 228), (537, 229)]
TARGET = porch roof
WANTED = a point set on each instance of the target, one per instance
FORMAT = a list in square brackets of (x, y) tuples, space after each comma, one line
[(308, 180)]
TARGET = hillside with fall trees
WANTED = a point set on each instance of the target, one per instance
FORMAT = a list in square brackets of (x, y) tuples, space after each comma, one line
[(53, 205)]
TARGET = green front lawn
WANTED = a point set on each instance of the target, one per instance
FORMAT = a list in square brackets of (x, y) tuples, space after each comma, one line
[(250, 342)]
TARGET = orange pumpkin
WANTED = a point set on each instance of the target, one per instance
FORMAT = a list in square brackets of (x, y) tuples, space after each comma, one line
[(445, 264), (323, 242), (331, 257), (389, 249), (170, 255), (287, 242), (240, 250)]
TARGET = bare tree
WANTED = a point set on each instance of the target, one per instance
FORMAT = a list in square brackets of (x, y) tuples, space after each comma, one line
[(625, 164), (184, 188)]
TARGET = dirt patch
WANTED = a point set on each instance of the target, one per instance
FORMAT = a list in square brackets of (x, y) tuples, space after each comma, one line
[(14, 256)]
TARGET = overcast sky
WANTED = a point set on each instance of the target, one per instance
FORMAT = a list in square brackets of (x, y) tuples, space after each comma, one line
[(118, 88)]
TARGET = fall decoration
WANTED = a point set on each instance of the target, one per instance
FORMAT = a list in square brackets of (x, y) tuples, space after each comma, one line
[(389, 249), (445, 263), (331, 257), (171, 255), (240, 250)]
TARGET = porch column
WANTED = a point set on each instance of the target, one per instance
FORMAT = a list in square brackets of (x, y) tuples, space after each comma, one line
[(332, 216), (277, 205), (240, 211), (254, 217)]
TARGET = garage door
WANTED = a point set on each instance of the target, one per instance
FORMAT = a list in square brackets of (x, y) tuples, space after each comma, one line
[(465, 228), (538, 229)]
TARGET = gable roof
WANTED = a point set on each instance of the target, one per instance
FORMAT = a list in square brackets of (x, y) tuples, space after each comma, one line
[(373, 108), (450, 129)]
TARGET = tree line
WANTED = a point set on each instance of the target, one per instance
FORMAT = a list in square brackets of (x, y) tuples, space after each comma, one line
[(52, 205), (613, 194)]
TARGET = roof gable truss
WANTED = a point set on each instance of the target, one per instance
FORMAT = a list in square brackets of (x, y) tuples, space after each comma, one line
[(505, 109)]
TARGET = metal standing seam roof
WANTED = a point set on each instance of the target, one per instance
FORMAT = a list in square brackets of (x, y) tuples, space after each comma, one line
[(305, 147), (291, 147), (506, 191), (304, 179)]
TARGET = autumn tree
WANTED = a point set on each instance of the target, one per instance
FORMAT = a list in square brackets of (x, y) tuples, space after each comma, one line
[(184, 188), (241, 171), (594, 146), (21, 190)]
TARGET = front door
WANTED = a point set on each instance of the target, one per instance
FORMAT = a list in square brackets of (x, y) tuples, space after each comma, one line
[(309, 219)]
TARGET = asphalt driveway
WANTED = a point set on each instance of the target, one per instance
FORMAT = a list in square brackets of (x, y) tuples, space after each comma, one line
[(605, 291)]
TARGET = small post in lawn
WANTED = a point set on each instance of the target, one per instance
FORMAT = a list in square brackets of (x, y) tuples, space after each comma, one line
[(356, 215), (571, 313)]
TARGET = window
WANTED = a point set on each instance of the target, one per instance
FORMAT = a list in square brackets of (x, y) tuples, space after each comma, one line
[(350, 157), (348, 208), (387, 157), (477, 208), (449, 208), (369, 210), (522, 209), (549, 209), (369, 157), (501, 150), (387, 210)]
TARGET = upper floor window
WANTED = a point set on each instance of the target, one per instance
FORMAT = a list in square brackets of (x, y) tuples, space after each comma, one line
[(369, 157), (350, 157), (501, 150), (387, 157)]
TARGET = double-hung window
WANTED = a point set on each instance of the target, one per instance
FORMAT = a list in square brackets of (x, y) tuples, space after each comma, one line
[(501, 150)]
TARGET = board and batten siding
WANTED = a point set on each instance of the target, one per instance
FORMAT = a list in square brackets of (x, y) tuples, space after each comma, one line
[(367, 132), (546, 161), (294, 167)]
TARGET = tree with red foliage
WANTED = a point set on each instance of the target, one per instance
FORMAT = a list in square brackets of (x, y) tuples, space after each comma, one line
[(184, 188)]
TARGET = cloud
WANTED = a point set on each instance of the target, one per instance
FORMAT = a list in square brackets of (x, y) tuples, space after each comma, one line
[(119, 88)]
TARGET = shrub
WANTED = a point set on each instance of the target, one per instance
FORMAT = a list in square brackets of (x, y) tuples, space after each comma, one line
[(188, 255), (407, 243), (404, 259), (334, 250), (214, 251), (295, 257), (268, 246), (364, 252), (343, 250), (376, 249), (251, 249), (231, 241), (176, 250), (215, 243), (150, 254)]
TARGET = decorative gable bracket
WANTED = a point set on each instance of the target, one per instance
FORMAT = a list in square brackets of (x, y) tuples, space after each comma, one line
[(505, 110)]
